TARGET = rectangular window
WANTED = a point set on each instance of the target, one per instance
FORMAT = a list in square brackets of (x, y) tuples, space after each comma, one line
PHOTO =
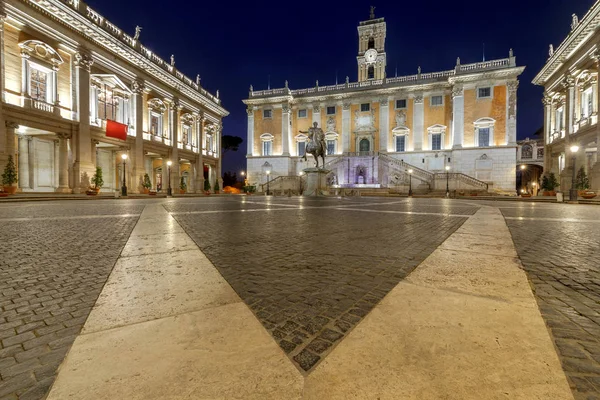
[(400, 104), (484, 137), (400, 143), (301, 148), (331, 110), (186, 134), (437, 100), (267, 148), (330, 147), (365, 107), (267, 113), (587, 103), (302, 113), (155, 124), (38, 83), (484, 93), (436, 141), (106, 103)]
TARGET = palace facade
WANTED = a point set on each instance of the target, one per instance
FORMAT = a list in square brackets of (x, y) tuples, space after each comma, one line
[(378, 127), (69, 77), (571, 102)]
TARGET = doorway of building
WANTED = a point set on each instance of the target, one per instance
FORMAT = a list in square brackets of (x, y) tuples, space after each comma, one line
[(364, 145)]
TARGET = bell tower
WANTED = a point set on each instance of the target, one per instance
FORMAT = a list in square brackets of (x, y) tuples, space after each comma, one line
[(371, 48)]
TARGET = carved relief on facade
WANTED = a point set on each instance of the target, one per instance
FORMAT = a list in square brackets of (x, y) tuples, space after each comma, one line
[(400, 119), (331, 124), (512, 99)]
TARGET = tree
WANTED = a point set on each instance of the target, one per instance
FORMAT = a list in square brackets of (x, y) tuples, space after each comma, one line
[(10, 173), (147, 184), (231, 143), (97, 178), (229, 179), (582, 182)]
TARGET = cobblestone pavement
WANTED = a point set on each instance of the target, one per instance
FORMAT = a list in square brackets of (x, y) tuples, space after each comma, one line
[(311, 269), (56, 257), (561, 255)]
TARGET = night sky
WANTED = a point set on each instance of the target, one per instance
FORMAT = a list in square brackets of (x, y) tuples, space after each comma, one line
[(233, 46)]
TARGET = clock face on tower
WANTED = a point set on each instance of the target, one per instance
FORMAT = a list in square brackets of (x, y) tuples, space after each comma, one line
[(370, 55)]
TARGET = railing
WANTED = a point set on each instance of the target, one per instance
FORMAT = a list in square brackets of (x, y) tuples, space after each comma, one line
[(333, 162), (469, 180), (360, 154), (466, 68), (42, 106), (418, 173), (283, 183), (117, 33)]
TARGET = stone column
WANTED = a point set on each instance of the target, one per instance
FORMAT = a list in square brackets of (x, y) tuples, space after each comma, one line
[(595, 173), (418, 122), (285, 129), (511, 104), (219, 154), (56, 166), (24, 81), (83, 167), (139, 169), (458, 116), (175, 171), (10, 150), (200, 156), (547, 101), (63, 164), (384, 124), (250, 112), (569, 84), (346, 127), (24, 182)]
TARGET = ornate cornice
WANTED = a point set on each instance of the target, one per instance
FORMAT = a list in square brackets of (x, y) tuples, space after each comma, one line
[(458, 91), (317, 109), (512, 86), (80, 18), (419, 99), (250, 111), (137, 86)]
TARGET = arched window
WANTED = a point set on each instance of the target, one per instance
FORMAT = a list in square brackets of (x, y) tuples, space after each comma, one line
[(527, 151), (371, 72), (267, 144), (371, 43)]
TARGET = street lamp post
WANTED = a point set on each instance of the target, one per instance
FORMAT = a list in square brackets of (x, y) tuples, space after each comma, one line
[(169, 191), (573, 191), (410, 172), (447, 181), (124, 187), (268, 174)]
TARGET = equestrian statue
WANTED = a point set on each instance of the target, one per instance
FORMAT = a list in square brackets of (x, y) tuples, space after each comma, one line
[(316, 145)]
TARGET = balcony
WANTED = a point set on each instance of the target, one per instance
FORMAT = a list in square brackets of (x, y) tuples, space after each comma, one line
[(42, 106)]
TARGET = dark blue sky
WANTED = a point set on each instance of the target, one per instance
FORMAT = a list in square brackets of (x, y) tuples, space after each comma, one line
[(233, 46)]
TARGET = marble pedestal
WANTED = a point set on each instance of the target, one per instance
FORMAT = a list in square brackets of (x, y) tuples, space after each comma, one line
[(316, 182)]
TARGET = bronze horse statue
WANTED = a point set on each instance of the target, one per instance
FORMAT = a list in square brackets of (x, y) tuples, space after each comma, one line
[(316, 146)]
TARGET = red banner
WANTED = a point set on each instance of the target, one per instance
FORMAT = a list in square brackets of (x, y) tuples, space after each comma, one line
[(116, 130)]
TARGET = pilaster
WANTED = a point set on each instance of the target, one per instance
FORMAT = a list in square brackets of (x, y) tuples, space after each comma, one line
[(285, 129), (316, 115), (200, 157), (63, 164), (139, 168), (384, 124), (346, 127), (11, 129), (547, 101), (250, 139), (511, 104), (569, 84), (24, 181), (418, 122), (458, 116), (175, 169), (83, 167), (219, 154), (595, 173)]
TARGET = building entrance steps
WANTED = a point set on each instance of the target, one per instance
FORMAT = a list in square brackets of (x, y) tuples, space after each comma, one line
[(463, 325)]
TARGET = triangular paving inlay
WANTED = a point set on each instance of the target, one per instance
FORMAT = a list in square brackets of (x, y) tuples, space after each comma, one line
[(311, 273)]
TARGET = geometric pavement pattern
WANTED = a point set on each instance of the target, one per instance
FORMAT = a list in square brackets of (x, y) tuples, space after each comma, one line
[(311, 269), (56, 257), (559, 247)]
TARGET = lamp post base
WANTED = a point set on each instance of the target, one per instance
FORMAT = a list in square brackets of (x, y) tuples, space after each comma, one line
[(169, 192), (124, 191), (573, 195)]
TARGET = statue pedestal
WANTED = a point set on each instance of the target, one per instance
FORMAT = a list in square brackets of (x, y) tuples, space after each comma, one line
[(316, 182)]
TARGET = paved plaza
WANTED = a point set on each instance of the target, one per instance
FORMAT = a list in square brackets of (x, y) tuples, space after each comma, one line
[(255, 297)]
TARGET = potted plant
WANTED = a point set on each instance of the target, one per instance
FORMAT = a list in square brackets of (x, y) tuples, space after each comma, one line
[(582, 182), (182, 186), (146, 184), (206, 186), (97, 181), (549, 183), (9, 177), (216, 188)]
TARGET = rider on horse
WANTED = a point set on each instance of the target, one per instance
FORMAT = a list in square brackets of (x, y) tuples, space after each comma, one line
[(316, 146)]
